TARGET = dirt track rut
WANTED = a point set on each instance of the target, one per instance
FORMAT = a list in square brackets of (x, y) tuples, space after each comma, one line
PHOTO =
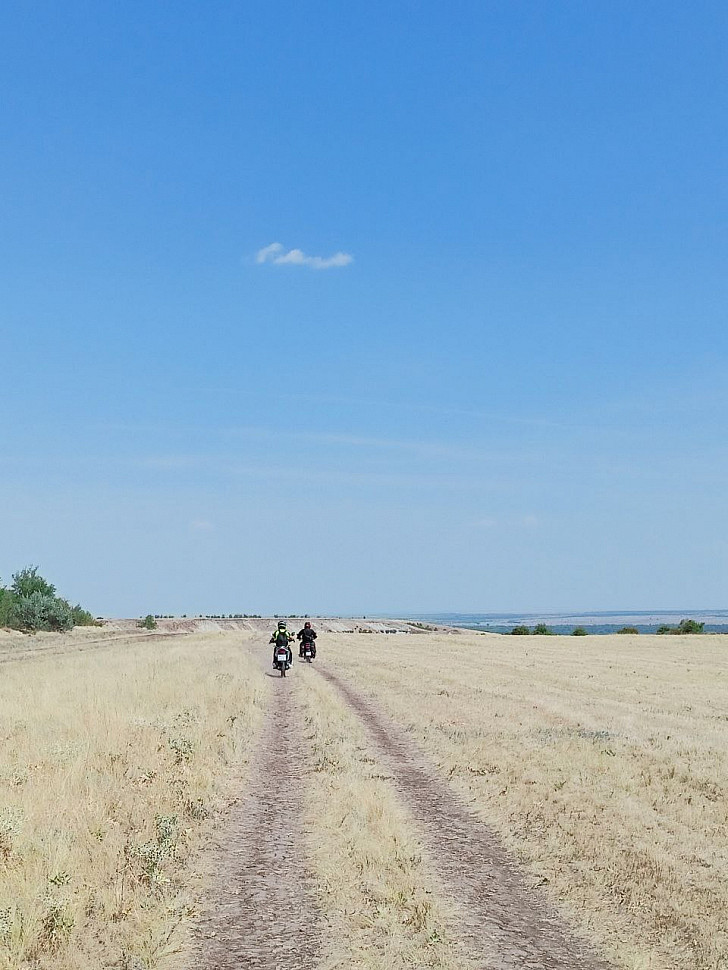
[(263, 907), (507, 922)]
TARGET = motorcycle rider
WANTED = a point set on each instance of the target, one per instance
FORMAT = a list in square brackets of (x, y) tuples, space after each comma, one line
[(281, 638), (307, 636)]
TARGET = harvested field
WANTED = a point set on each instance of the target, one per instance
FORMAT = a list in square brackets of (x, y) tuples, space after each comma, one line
[(434, 800), (602, 762), (502, 914)]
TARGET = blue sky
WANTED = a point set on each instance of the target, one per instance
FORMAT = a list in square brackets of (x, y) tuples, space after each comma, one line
[(491, 376)]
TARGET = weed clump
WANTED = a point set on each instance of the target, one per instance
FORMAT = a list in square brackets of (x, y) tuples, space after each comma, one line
[(520, 631), (6, 923), (56, 926), (628, 629), (182, 749), (9, 826)]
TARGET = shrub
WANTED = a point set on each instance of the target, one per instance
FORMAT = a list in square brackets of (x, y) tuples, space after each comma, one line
[(6, 605), (59, 616), (579, 631), (629, 629), (82, 617), (40, 611), (542, 630), (520, 631), (28, 612), (148, 623), (684, 626), (689, 626)]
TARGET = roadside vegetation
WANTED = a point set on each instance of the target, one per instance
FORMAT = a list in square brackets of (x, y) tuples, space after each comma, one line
[(113, 765), (381, 901), (605, 769), (31, 604)]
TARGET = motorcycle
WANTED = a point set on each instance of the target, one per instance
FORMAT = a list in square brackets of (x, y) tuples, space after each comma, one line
[(282, 661), (307, 653)]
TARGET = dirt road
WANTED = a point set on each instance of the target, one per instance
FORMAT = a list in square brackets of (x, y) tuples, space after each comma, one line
[(263, 906), (507, 921), (262, 910)]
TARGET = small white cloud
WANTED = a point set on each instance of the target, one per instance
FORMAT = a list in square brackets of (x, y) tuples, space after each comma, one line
[(268, 253), (201, 525), (296, 257)]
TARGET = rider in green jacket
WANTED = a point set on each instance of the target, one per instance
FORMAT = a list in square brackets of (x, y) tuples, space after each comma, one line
[(281, 638)]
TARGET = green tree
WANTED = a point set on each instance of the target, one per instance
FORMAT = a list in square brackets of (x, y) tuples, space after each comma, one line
[(27, 581), (628, 629), (689, 626), (542, 630), (579, 631), (31, 604), (148, 623), (520, 631)]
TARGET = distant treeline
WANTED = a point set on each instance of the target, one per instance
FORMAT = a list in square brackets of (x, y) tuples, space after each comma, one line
[(30, 604), (684, 626)]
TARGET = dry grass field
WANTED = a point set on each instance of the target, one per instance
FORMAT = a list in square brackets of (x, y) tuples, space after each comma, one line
[(113, 765), (381, 903), (602, 761)]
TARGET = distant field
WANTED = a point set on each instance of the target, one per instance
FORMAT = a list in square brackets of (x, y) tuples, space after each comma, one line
[(603, 762)]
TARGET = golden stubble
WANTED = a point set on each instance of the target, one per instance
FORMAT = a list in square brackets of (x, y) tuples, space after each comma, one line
[(114, 765), (601, 761), (381, 902)]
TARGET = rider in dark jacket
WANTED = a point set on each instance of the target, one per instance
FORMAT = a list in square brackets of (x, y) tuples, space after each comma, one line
[(306, 635), (281, 638)]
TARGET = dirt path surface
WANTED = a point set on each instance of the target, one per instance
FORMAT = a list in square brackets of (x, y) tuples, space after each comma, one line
[(507, 922), (262, 909)]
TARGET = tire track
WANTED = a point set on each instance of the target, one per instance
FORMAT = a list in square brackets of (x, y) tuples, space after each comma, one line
[(262, 912), (20, 654), (507, 923)]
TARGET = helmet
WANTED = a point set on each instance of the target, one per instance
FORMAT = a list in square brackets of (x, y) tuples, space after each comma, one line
[(281, 624), (307, 624)]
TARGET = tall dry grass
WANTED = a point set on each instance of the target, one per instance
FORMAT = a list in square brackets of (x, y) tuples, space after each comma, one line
[(113, 765), (381, 902), (602, 761)]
